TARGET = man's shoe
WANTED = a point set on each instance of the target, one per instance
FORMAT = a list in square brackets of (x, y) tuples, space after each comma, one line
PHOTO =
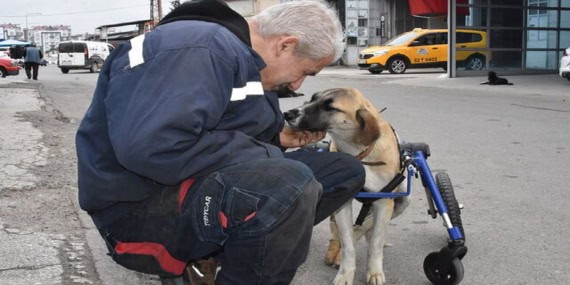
[(202, 272)]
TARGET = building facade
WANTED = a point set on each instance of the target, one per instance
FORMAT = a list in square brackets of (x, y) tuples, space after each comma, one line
[(524, 36), (47, 38), (12, 31)]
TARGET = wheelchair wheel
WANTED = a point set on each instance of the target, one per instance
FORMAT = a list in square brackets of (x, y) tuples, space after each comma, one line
[(435, 271), (446, 190)]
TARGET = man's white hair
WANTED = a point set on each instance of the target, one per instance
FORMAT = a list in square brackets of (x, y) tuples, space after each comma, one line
[(315, 23)]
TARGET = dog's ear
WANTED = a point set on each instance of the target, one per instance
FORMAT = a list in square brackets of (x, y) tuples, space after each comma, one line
[(369, 128)]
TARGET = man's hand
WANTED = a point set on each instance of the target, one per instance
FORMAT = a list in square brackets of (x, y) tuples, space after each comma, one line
[(295, 138)]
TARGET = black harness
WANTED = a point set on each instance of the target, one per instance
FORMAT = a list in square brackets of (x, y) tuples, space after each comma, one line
[(395, 182)]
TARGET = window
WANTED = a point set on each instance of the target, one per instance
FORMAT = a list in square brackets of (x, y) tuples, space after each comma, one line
[(541, 39), (468, 38), (507, 59), (507, 2), (506, 17), (77, 47), (441, 38), (506, 38), (66, 47), (425, 40), (564, 39), (542, 18), (541, 59), (351, 40), (565, 19)]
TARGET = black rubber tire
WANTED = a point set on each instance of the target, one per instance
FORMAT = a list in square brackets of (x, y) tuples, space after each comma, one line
[(94, 67), (446, 190), (397, 65), (65, 70), (3, 72), (568, 77), (475, 62), (455, 270), (375, 71)]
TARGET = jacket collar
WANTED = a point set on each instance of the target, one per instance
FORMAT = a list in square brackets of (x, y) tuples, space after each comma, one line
[(214, 11)]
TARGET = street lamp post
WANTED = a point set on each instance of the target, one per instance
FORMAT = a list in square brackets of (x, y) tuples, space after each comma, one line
[(28, 31)]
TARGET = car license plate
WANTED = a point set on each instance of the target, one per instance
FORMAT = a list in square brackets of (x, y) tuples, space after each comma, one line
[(66, 62), (362, 61)]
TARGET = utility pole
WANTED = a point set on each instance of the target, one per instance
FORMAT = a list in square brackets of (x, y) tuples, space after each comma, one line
[(27, 31), (155, 11)]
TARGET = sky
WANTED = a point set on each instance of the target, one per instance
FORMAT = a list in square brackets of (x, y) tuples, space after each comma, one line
[(82, 15)]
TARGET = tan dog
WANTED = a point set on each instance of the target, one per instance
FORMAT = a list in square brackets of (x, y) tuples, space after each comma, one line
[(356, 127)]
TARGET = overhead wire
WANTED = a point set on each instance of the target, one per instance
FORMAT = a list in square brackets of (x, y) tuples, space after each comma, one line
[(74, 13)]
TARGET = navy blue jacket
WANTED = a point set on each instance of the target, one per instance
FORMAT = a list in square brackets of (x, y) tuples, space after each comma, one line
[(180, 101)]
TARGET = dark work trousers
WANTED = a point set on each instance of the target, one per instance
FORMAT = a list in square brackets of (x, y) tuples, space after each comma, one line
[(259, 215), (32, 66)]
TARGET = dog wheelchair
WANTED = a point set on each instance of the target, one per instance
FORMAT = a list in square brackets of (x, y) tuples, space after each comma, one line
[(442, 267)]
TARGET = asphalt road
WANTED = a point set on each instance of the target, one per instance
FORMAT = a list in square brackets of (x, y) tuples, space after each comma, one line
[(505, 148)]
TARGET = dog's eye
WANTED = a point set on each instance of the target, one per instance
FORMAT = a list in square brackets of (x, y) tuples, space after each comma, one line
[(328, 105)]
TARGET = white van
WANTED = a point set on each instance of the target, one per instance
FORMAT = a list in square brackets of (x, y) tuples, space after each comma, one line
[(82, 55)]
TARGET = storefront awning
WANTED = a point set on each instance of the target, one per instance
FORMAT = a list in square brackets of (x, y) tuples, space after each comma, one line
[(433, 8)]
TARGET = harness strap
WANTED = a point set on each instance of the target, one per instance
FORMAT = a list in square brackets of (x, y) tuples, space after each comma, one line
[(367, 202), (397, 180), (363, 213)]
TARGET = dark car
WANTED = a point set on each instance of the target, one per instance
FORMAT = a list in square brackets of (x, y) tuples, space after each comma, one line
[(8, 67)]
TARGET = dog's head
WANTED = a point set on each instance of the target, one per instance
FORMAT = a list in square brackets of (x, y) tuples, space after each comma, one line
[(343, 112), (492, 75)]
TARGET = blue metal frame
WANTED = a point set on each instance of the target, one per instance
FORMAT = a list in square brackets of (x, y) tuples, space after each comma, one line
[(419, 161)]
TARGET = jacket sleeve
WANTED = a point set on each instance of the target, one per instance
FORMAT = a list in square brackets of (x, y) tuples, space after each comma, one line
[(166, 130)]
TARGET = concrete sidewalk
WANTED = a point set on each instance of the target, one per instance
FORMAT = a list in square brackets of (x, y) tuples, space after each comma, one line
[(33, 252), (543, 84)]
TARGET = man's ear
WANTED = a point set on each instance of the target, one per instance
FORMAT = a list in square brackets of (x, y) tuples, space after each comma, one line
[(287, 44)]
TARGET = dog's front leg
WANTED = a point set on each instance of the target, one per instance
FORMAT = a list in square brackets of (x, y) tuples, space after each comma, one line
[(383, 209), (343, 217)]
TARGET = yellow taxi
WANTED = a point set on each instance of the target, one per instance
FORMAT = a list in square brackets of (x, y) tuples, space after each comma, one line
[(423, 48)]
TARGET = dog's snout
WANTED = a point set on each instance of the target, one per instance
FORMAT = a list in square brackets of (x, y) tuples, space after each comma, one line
[(291, 114)]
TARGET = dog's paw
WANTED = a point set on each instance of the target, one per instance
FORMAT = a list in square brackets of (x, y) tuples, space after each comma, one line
[(332, 253), (377, 278), (337, 260), (344, 277)]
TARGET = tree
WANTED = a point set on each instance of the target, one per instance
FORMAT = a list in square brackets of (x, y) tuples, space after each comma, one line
[(174, 3)]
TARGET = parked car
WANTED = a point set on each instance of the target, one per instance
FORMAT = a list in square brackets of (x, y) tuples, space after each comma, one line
[(82, 55), (5, 51), (423, 48), (8, 67), (565, 64)]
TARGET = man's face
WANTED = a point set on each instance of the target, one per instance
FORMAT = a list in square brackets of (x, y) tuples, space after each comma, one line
[(285, 68)]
